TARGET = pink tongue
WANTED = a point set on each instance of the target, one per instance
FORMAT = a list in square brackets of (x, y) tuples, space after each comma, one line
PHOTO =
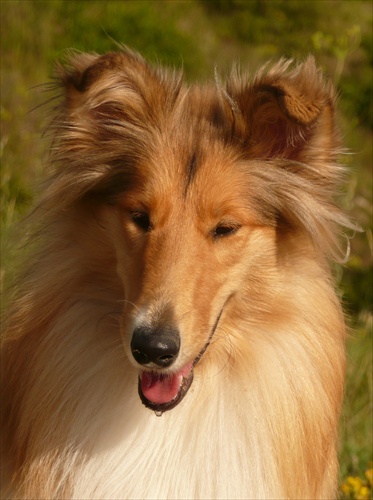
[(161, 388)]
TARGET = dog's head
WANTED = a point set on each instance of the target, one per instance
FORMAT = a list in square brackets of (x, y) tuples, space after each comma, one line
[(200, 192)]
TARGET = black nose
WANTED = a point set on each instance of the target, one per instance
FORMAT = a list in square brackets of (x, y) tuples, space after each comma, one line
[(155, 345)]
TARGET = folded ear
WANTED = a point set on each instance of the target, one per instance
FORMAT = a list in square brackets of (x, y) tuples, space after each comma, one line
[(288, 113), (286, 121), (110, 107), (115, 85)]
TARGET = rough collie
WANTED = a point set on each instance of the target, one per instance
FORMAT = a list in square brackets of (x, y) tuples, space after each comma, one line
[(176, 333)]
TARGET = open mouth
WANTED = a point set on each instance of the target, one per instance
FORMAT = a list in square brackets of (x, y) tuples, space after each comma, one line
[(161, 392)]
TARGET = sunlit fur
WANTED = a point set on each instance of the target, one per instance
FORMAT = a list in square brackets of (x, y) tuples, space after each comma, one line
[(257, 155)]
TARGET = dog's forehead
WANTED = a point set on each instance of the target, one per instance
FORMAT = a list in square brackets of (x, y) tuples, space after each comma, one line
[(195, 141), (206, 184), (183, 164)]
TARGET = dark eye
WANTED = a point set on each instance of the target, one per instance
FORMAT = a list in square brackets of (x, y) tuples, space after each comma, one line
[(141, 220), (224, 229)]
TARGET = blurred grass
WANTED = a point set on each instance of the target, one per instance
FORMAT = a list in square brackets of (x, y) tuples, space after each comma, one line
[(199, 35)]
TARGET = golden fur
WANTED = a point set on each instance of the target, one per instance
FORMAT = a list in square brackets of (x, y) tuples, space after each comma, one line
[(206, 207)]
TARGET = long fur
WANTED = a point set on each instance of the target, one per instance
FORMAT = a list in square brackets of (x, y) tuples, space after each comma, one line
[(256, 155)]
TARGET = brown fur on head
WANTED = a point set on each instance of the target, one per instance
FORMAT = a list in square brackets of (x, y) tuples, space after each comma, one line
[(283, 119), (173, 166), (206, 212)]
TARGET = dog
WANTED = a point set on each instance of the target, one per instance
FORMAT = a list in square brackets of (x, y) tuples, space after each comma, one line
[(176, 331)]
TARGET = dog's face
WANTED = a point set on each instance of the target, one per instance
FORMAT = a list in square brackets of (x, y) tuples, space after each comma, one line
[(197, 188), (185, 238)]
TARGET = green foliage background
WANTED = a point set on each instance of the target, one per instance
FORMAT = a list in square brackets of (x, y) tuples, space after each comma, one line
[(200, 35)]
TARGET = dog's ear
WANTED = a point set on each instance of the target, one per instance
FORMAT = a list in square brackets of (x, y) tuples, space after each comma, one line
[(286, 120), (117, 85), (288, 113), (111, 107)]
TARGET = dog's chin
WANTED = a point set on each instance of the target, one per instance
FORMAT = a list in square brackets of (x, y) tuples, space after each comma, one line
[(161, 392)]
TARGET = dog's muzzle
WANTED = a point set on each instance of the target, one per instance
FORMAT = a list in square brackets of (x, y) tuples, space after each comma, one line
[(158, 347)]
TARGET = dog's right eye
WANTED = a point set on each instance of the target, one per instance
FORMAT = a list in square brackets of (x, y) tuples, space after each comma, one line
[(141, 220)]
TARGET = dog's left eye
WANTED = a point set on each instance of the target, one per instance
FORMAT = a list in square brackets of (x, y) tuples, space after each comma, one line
[(224, 229)]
